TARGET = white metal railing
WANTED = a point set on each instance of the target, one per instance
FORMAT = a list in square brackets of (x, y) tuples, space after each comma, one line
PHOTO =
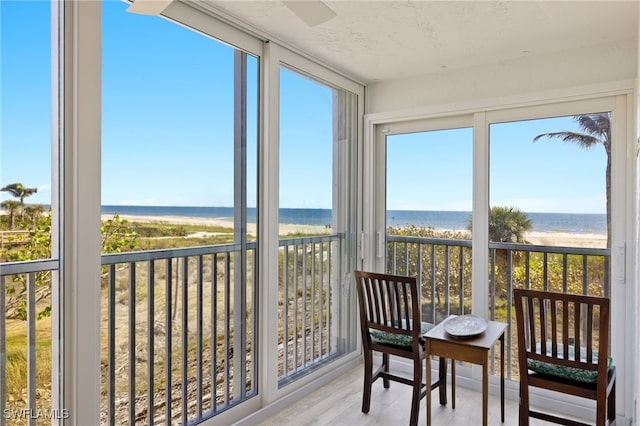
[(28, 285), (180, 333), (307, 304)]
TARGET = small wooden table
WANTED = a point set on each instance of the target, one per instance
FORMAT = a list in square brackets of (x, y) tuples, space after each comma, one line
[(474, 350)]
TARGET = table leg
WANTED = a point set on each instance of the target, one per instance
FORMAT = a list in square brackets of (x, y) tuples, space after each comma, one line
[(442, 379), (428, 382), (453, 384), (485, 389), (502, 377)]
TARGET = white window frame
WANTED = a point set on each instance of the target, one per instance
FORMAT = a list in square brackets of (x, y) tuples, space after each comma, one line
[(276, 56)]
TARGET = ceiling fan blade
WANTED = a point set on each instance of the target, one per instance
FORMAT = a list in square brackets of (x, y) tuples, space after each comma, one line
[(148, 7), (312, 12)]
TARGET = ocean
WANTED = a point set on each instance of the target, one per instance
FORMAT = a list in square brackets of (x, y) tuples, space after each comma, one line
[(580, 223)]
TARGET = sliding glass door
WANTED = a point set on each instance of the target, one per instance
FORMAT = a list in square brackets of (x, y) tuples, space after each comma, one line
[(179, 226), (526, 197), (316, 190)]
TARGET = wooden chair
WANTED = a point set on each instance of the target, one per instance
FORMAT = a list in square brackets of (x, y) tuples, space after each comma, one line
[(563, 345), (390, 323)]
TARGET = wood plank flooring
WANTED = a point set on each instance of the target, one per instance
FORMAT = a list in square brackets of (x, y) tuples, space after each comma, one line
[(339, 403)]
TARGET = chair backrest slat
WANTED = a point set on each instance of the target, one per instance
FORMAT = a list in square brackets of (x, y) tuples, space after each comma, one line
[(577, 322), (565, 323), (590, 309), (543, 323), (554, 328)]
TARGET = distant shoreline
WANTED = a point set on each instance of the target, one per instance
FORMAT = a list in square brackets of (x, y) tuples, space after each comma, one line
[(547, 238), (582, 223)]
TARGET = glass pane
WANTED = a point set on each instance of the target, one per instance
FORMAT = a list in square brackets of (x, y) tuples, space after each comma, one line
[(26, 134), (315, 131), (28, 177), (429, 202), (179, 188), (548, 217), (306, 155), (558, 185)]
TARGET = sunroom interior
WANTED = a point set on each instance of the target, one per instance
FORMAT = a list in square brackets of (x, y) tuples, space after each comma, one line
[(457, 71)]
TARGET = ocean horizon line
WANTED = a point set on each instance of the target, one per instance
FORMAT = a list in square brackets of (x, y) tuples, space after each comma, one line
[(171, 206)]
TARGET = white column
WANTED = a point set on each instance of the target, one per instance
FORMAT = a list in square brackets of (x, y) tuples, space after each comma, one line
[(80, 178)]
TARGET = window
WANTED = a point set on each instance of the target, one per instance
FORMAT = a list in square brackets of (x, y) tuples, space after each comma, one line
[(179, 204), (546, 212), (317, 148), (549, 198), (29, 221), (429, 200)]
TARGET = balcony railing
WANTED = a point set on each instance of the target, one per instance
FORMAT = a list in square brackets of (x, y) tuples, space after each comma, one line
[(179, 326), (443, 270), (308, 274), (25, 295), (180, 332)]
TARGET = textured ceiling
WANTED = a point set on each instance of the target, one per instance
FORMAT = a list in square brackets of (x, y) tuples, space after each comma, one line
[(386, 40)]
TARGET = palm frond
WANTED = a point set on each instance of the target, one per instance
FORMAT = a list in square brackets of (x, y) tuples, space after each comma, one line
[(581, 139), (598, 125)]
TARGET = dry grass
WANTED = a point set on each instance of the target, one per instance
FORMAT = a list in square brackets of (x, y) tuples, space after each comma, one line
[(16, 367)]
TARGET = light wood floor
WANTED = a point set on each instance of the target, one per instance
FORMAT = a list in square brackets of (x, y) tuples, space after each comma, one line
[(339, 403)]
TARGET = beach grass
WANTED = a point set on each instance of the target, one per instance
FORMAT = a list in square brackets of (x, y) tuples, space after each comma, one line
[(16, 363)]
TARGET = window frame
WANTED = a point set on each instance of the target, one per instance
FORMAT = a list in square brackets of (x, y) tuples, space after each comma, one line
[(276, 56)]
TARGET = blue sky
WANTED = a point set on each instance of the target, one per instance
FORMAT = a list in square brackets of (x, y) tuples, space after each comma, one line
[(546, 176), (167, 130)]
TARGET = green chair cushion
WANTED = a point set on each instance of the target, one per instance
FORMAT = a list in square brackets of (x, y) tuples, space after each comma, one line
[(571, 373), (398, 339)]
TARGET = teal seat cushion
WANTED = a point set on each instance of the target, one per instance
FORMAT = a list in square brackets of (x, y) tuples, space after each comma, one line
[(398, 339), (571, 373)]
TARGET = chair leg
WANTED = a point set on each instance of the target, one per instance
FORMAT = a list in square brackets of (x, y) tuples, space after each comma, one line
[(611, 405), (385, 362), (368, 372), (417, 388), (523, 413), (601, 412), (442, 381)]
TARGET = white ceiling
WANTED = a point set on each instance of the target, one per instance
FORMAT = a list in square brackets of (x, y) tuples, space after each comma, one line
[(386, 40)]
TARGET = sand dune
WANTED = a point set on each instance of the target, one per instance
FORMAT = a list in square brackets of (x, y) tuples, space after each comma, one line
[(223, 222)]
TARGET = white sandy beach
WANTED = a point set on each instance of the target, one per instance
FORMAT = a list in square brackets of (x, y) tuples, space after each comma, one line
[(223, 222), (539, 238), (566, 239)]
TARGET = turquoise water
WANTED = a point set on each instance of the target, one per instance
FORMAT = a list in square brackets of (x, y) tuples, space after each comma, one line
[(542, 222)]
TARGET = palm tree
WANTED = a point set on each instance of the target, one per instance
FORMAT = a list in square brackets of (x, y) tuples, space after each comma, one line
[(597, 131), (506, 224), (12, 206), (19, 191), (33, 211)]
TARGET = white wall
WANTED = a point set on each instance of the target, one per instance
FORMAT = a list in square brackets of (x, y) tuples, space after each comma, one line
[(532, 74)]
